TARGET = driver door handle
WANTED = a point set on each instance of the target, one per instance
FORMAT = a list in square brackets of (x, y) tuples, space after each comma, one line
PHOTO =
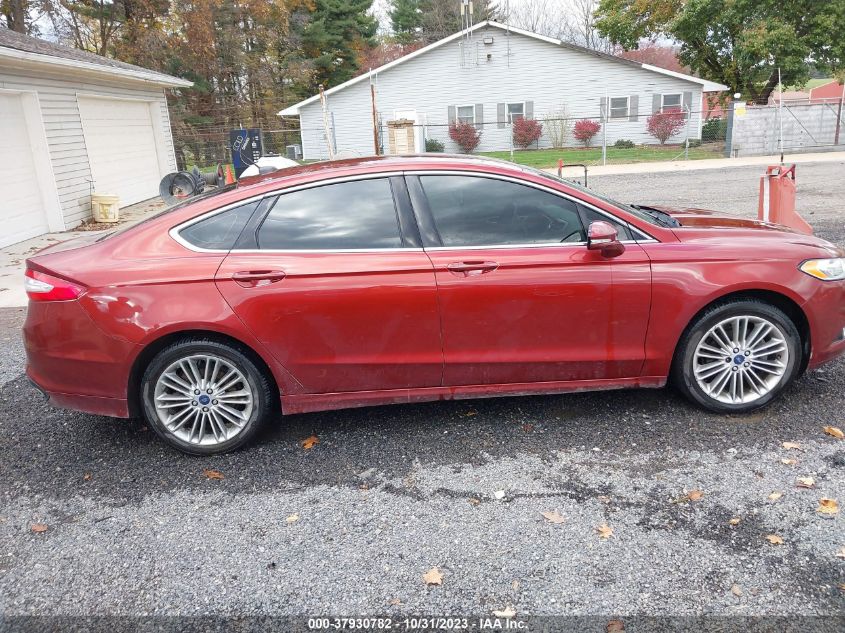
[(255, 278), (472, 268)]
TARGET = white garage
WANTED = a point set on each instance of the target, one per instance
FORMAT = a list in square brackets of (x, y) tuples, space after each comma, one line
[(72, 124), (121, 139)]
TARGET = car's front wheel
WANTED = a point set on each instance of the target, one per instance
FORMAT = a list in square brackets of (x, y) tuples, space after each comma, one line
[(738, 356), (205, 397)]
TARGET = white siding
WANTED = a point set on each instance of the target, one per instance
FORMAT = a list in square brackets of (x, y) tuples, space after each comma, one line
[(57, 93), (527, 70)]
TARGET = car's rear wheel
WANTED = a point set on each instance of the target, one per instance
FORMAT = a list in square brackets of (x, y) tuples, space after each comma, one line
[(205, 397), (738, 356)]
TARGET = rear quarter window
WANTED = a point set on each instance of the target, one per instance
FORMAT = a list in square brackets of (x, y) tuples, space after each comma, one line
[(221, 230)]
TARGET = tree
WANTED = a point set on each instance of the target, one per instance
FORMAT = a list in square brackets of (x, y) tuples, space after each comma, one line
[(406, 20), (663, 125), (15, 15), (740, 43), (333, 38)]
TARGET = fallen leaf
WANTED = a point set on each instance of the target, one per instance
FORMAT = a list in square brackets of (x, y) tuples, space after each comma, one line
[(86, 477), (499, 495), (789, 462), (775, 496), (828, 506), (553, 517), (310, 442), (605, 531), (527, 427), (603, 498), (806, 482), (736, 590), (515, 584), (292, 518), (792, 445), (38, 528), (834, 431), (474, 501), (841, 586), (212, 474), (395, 602), (841, 553), (468, 414), (694, 495), (433, 577), (774, 539), (507, 612), (734, 521), (616, 626)]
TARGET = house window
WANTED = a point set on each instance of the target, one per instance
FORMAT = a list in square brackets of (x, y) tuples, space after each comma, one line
[(619, 107), (515, 111), (466, 114), (671, 103)]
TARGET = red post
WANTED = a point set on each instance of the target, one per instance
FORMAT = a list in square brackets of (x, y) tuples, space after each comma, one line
[(777, 199)]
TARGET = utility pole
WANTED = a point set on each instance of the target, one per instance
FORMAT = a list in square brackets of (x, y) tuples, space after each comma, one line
[(375, 119), (326, 127), (839, 114)]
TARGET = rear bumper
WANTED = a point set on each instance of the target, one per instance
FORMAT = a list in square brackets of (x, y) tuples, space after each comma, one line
[(74, 362)]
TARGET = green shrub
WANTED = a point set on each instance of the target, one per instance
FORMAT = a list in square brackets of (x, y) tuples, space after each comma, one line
[(433, 145), (714, 129), (624, 143), (695, 142)]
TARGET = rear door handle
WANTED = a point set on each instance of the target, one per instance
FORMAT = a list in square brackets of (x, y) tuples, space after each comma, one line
[(254, 278), (467, 269)]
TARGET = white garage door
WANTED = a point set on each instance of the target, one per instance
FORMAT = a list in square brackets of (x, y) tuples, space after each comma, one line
[(22, 213), (121, 143)]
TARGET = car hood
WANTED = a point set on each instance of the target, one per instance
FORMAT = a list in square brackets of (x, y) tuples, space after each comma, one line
[(703, 224)]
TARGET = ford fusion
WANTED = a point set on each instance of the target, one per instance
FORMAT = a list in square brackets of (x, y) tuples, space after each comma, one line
[(376, 281)]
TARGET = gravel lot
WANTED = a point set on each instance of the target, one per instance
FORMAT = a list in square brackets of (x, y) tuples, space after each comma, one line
[(136, 529)]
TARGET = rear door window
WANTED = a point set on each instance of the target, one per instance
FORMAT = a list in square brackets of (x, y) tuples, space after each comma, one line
[(358, 214)]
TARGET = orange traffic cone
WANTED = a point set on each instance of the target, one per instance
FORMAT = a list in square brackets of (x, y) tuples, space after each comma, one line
[(230, 177)]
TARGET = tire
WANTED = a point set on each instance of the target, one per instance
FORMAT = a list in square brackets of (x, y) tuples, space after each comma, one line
[(729, 381), (181, 405)]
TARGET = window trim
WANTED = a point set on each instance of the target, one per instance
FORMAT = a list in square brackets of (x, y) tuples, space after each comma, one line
[(429, 219), (610, 108), (458, 113), (663, 96), (508, 105)]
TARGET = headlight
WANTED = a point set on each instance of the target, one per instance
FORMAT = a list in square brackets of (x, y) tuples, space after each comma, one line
[(825, 269)]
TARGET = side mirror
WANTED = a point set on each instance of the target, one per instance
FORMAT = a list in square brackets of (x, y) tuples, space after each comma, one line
[(601, 236)]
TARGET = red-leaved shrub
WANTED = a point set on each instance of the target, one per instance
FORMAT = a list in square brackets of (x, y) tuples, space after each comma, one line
[(663, 125), (526, 131), (585, 130), (466, 135)]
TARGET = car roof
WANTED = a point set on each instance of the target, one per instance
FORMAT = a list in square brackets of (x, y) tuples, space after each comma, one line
[(375, 164)]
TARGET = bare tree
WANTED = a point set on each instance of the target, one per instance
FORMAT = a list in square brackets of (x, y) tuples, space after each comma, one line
[(567, 20), (581, 29)]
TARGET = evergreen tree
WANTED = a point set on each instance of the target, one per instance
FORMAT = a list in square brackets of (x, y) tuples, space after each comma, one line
[(406, 20)]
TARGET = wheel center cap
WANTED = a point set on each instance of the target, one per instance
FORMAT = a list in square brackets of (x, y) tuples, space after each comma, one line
[(204, 399), (739, 359)]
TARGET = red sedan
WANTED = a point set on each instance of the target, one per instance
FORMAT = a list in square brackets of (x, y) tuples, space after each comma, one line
[(391, 280)]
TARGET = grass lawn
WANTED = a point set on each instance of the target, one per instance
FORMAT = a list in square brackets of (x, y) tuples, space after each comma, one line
[(543, 158)]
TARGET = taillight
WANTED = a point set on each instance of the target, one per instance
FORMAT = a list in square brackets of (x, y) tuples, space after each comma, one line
[(43, 287)]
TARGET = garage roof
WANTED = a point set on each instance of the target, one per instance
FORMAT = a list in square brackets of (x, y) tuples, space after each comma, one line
[(23, 48)]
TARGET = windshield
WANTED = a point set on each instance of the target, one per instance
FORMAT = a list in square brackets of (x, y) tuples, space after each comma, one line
[(203, 196), (652, 216)]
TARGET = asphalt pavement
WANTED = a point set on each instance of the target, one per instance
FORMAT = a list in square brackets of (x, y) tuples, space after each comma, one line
[(654, 507)]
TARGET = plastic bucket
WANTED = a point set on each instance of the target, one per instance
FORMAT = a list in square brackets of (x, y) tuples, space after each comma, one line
[(105, 207)]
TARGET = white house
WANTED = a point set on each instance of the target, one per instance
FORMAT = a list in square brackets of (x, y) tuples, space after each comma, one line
[(489, 74), (72, 123)]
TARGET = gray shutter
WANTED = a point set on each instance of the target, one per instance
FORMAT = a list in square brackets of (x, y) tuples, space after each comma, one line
[(603, 108), (688, 101), (501, 115), (633, 108), (529, 109), (479, 116), (656, 102), (453, 114)]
